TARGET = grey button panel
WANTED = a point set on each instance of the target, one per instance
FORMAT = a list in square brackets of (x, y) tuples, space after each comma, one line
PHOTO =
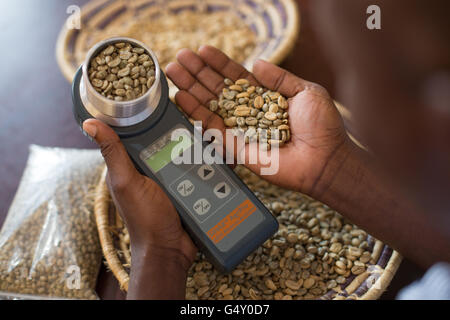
[(212, 190)]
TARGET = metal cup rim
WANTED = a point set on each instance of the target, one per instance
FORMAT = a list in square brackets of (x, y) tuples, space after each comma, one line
[(103, 44)]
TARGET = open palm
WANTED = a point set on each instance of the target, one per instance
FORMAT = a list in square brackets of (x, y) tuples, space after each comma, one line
[(317, 130)]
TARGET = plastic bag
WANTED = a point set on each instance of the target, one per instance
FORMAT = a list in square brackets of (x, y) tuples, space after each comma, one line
[(49, 244)]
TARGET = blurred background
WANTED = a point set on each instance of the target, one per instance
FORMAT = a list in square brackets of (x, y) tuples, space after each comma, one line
[(35, 96)]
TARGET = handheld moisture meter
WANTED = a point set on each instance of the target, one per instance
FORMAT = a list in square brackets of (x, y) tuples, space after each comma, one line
[(223, 217)]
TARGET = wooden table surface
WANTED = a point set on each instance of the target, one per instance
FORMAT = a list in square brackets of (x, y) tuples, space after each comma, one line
[(35, 99)]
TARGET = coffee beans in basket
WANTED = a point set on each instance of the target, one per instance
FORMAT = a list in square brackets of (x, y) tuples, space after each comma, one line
[(315, 250), (256, 112), (174, 30), (122, 72)]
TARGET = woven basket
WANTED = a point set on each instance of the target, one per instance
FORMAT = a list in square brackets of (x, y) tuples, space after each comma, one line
[(275, 24), (366, 286)]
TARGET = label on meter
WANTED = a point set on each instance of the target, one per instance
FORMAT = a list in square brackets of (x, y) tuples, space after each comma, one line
[(231, 221), (222, 211)]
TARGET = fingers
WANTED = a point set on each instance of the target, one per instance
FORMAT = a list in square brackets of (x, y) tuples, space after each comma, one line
[(223, 65), (200, 79), (194, 64), (197, 111), (120, 168), (185, 81), (278, 79), (209, 119)]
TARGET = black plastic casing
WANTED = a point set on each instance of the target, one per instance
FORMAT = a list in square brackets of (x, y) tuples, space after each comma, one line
[(137, 137)]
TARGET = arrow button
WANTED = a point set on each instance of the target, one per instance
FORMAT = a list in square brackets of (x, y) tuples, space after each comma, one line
[(222, 190), (206, 172)]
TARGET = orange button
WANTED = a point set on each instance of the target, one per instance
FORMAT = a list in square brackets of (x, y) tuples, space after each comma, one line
[(231, 221)]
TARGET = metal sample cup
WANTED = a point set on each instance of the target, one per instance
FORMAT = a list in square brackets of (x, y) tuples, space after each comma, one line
[(119, 113)]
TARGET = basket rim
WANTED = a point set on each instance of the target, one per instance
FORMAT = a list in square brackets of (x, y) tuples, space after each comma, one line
[(68, 69), (101, 212)]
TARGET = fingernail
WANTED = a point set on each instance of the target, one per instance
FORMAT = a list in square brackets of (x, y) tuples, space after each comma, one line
[(169, 65), (90, 129)]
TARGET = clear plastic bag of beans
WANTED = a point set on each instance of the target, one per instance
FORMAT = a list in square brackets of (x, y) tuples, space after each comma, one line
[(49, 246)]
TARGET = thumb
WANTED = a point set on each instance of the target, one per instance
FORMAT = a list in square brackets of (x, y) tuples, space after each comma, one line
[(275, 78), (121, 170)]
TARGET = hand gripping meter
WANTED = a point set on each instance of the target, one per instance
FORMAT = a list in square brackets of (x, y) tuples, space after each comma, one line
[(223, 217)]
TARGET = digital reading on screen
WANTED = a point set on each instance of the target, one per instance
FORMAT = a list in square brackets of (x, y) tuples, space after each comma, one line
[(166, 150)]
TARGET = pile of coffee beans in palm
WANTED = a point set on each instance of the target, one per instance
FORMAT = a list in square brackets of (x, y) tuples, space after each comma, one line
[(255, 112)]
